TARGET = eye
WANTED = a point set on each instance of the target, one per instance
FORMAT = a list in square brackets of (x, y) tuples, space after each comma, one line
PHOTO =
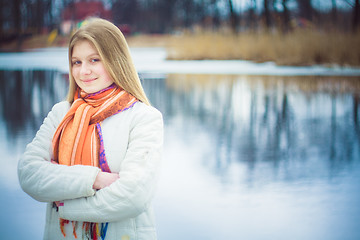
[(76, 62), (94, 60)]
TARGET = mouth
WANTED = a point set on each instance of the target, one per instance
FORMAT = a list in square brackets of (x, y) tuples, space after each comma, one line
[(88, 80)]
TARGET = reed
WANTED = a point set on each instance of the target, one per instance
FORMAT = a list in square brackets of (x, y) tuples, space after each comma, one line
[(300, 47)]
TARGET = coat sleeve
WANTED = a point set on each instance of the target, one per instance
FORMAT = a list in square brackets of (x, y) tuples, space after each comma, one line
[(45, 181), (132, 193)]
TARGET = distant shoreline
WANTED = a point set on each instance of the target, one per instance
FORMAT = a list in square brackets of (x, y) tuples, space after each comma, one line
[(152, 63), (299, 48)]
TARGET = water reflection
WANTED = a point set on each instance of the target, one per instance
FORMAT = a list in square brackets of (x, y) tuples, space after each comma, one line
[(25, 99), (241, 153), (300, 127)]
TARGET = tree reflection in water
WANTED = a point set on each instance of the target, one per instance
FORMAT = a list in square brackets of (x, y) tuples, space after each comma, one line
[(296, 126), (25, 99), (293, 135), (301, 126)]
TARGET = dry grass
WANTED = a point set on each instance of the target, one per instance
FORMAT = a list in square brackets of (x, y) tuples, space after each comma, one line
[(301, 47), (36, 41), (151, 40)]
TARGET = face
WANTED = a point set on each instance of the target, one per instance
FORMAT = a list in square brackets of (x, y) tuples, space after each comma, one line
[(88, 69)]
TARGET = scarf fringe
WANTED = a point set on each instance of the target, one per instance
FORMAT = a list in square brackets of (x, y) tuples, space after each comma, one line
[(90, 231)]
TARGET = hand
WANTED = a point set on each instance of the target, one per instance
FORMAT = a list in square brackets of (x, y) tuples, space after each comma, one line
[(58, 203), (104, 179)]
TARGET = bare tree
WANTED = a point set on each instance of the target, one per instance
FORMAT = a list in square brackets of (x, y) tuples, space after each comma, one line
[(267, 14), (334, 11), (1, 19), (285, 16), (233, 17), (305, 9), (356, 16), (125, 11), (187, 15), (17, 22), (48, 7), (39, 16), (252, 15)]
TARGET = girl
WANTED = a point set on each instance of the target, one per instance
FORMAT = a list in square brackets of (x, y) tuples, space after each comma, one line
[(96, 157)]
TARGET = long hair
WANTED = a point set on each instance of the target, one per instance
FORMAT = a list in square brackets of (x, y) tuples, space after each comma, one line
[(114, 53)]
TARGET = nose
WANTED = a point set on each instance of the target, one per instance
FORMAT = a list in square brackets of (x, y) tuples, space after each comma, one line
[(85, 69)]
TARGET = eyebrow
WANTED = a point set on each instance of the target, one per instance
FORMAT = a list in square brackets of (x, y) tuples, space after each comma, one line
[(91, 55)]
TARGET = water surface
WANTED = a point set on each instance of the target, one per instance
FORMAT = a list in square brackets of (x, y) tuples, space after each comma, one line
[(245, 157)]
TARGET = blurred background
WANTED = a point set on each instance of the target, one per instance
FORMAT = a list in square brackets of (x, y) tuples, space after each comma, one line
[(260, 100), (288, 32)]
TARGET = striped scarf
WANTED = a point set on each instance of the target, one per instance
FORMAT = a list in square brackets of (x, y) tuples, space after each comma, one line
[(78, 139)]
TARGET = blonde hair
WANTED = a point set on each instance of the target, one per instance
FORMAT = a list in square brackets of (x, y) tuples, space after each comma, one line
[(114, 53)]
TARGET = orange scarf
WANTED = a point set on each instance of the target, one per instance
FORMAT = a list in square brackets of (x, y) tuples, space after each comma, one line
[(78, 139)]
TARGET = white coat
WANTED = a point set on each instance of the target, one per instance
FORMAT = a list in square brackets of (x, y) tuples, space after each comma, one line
[(133, 146)]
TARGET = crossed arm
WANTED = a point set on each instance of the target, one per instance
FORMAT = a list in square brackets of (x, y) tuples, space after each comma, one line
[(119, 196)]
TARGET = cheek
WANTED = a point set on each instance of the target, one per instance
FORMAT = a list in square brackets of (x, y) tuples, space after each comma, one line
[(74, 72), (106, 76), (75, 75), (109, 79)]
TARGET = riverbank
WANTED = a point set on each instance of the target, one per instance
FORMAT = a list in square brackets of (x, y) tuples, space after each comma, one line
[(298, 48), (153, 63)]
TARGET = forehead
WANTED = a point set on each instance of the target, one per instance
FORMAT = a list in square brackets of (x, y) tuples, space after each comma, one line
[(83, 48)]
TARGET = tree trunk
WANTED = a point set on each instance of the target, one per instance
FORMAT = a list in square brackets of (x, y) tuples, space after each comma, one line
[(233, 18), (267, 14), (252, 15), (285, 17), (334, 11), (305, 9), (48, 8), (39, 16), (1, 20), (187, 18), (17, 22), (216, 15), (356, 20)]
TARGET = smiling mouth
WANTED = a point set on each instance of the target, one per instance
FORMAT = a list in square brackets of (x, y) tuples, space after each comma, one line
[(88, 80)]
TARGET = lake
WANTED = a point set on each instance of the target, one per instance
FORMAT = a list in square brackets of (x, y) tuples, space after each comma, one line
[(245, 156)]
